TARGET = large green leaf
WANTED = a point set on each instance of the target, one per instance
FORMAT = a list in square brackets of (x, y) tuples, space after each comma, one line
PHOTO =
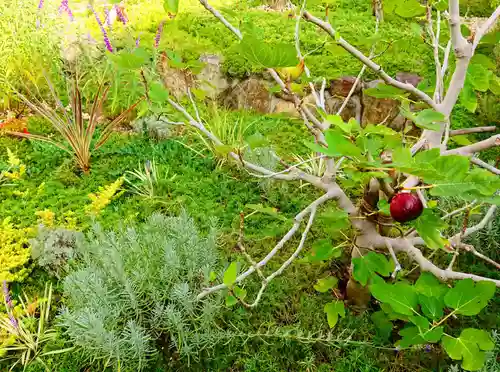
[(158, 94), (468, 97), (171, 6), (384, 91), (427, 333), (337, 121), (401, 296), (468, 348), (259, 52), (365, 267), (322, 250), (429, 227), (333, 310), (325, 284), (478, 77), (469, 298), (428, 285), (382, 323), (495, 85), (131, 60), (410, 336), (341, 146), (429, 119), (410, 9), (230, 274), (432, 307)]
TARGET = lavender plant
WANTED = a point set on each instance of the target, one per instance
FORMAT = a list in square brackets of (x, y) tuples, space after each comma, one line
[(136, 288)]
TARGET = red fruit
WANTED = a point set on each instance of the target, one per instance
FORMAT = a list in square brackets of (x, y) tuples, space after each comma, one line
[(405, 207)]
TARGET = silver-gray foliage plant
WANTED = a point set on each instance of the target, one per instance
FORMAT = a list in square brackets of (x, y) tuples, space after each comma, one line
[(136, 288), (53, 249)]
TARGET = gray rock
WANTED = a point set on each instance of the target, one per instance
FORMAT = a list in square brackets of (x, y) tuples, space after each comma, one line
[(211, 79), (250, 94)]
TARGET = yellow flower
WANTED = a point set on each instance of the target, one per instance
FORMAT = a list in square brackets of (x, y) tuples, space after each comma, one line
[(46, 217), (103, 197), (14, 251), (13, 160)]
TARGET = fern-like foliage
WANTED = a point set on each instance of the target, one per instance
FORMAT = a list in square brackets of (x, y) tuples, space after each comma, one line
[(132, 295)]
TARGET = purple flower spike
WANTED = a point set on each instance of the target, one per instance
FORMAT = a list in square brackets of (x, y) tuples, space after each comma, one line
[(158, 34), (40, 4), (137, 41), (64, 7), (107, 19), (120, 12), (13, 321), (109, 47), (6, 294)]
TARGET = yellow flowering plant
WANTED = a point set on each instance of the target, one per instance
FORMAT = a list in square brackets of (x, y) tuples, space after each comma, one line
[(14, 251), (15, 169), (103, 197)]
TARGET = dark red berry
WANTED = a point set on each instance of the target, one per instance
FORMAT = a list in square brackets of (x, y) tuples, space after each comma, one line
[(405, 207)]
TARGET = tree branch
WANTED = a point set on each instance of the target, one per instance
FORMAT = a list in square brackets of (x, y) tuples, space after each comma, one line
[(221, 18), (471, 249), (485, 27), (297, 222), (287, 263), (476, 147), (327, 27), (485, 165), (459, 132), (425, 265)]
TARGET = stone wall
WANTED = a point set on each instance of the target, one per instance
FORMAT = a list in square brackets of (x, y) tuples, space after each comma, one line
[(254, 93)]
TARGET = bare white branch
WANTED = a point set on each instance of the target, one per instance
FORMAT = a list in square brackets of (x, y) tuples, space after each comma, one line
[(221, 18), (486, 27), (288, 262), (397, 265), (476, 147), (471, 249), (297, 221), (485, 165), (459, 132), (425, 265), (365, 60)]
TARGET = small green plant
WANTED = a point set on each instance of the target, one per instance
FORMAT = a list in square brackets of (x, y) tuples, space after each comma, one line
[(135, 290), (29, 331), (145, 183), (229, 129), (78, 131)]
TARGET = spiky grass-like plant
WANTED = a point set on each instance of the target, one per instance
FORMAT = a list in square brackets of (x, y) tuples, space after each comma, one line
[(77, 130)]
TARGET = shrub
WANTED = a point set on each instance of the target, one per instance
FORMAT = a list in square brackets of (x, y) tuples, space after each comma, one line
[(14, 252), (136, 288), (53, 248)]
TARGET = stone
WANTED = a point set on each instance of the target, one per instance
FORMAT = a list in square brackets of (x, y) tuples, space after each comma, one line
[(378, 110), (407, 77), (175, 80), (250, 94), (211, 79), (282, 106), (341, 87), (353, 109)]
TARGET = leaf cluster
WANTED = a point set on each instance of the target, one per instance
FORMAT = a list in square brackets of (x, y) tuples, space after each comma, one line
[(425, 307)]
